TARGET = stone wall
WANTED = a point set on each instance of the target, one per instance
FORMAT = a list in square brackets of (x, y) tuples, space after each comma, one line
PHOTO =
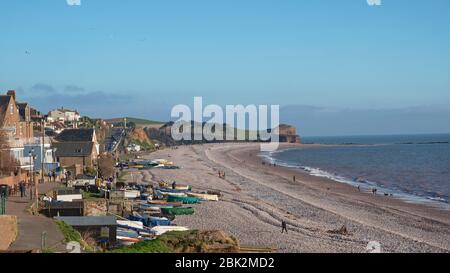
[(8, 230), (13, 179), (95, 207)]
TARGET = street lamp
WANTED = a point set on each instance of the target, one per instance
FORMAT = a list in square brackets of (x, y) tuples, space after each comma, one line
[(33, 181)]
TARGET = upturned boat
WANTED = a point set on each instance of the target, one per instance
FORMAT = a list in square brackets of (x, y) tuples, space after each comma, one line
[(165, 203), (177, 211), (183, 199), (159, 230), (204, 196)]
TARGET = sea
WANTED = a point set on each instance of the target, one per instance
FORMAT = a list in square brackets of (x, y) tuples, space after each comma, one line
[(415, 168)]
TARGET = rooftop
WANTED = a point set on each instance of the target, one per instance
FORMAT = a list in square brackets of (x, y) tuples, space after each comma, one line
[(75, 135), (70, 149), (78, 221)]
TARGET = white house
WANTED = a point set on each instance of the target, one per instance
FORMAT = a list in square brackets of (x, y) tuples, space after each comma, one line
[(134, 148), (64, 115)]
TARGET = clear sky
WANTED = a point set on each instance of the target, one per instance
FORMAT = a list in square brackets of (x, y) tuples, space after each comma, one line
[(116, 57)]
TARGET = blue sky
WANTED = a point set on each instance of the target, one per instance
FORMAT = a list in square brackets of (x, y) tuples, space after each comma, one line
[(140, 57)]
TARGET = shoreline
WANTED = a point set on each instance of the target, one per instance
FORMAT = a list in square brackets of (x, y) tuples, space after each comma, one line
[(365, 186), (257, 197)]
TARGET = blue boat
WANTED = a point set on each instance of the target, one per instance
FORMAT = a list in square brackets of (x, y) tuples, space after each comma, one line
[(150, 221)]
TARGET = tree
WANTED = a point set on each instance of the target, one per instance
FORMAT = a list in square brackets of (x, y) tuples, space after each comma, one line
[(8, 163), (106, 165)]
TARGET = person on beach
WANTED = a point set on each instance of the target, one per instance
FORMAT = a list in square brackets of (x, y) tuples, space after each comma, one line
[(359, 188), (174, 185), (374, 191), (283, 227), (293, 178)]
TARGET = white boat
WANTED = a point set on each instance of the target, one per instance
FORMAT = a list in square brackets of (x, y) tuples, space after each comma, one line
[(132, 194), (204, 196), (163, 193), (159, 230), (153, 210), (131, 224)]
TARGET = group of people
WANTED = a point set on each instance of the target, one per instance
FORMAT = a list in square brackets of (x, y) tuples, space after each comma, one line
[(21, 188), (51, 176)]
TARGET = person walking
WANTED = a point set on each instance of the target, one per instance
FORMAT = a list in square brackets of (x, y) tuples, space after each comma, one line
[(293, 178), (283, 227), (22, 189)]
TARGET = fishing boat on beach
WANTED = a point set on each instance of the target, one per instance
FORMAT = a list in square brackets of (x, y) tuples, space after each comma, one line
[(178, 211), (167, 193), (150, 221), (159, 230), (183, 199), (203, 196), (173, 205), (164, 203)]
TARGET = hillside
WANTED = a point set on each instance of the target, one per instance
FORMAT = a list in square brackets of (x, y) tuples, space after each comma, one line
[(137, 121)]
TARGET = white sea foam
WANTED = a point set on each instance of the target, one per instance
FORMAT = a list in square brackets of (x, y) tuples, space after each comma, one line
[(365, 185)]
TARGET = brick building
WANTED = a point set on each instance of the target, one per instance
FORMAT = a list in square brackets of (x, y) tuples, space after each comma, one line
[(16, 127), (76, 147)]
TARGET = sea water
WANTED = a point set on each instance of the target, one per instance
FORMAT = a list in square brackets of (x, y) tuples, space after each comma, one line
[(415, 168)]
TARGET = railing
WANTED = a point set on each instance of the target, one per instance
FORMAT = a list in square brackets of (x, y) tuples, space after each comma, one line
[(2, 204)]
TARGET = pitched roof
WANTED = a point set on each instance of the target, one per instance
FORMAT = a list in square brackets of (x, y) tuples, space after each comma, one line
[(4, 102), (73, 149), (75, 135), (22, 110), (78, 221), (64, 110)]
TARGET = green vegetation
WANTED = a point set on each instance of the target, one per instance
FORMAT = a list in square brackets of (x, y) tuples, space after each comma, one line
[(144, 145), (70, 235), (137, 121), (90, 171), (121, 177), (192, 241), (91, 195), (170, 242)]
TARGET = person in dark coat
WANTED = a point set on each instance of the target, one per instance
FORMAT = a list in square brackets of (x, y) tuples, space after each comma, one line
[(283, 227), (54, 176), (174, 185), (22, 189)]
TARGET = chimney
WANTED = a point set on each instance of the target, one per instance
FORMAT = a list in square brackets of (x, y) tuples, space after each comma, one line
[(12, 93)]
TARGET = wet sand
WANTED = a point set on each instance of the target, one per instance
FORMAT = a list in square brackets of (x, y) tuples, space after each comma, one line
[(258, 197)]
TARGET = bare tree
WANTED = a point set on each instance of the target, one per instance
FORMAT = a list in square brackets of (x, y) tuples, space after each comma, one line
[(8, 163), (106, 165)]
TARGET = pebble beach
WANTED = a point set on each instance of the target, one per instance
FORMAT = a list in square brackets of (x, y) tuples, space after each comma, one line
[(257, 197)]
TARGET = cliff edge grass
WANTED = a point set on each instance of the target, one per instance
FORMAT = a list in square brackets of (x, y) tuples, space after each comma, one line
[(192, 241)]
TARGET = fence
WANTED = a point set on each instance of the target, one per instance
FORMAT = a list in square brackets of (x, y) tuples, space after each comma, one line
[(2, 204)]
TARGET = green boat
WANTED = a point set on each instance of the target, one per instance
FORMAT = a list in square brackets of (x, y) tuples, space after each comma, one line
[(184, 199), (177, 211)]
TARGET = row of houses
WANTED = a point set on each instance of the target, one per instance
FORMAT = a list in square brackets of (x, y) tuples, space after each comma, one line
[(28, 147)]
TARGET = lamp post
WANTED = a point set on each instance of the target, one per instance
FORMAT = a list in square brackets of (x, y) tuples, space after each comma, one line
[(42, 150), (33, 181)]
